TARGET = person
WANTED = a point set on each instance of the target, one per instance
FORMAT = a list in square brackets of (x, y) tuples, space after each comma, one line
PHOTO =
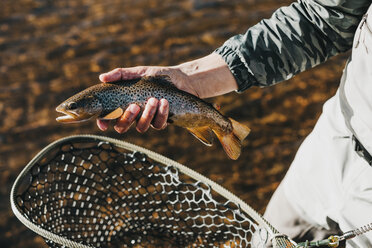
[(328, 187)]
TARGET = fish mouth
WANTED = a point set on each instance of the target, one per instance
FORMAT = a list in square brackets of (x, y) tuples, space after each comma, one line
[(69, 117)]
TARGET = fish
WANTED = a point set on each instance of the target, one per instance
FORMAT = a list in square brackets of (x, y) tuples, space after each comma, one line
[(108, 101)]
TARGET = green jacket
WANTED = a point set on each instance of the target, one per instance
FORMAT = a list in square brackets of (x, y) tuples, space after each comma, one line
[(295, 38)]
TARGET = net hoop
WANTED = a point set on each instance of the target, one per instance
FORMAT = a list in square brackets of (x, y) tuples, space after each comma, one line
[(272, 232)]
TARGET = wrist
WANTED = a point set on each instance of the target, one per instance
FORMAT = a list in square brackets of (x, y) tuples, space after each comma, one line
[(210, 75)]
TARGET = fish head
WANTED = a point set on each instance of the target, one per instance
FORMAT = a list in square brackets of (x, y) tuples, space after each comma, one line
[(78, 108)]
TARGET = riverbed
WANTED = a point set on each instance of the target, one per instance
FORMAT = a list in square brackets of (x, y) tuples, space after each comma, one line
[(53, 49)]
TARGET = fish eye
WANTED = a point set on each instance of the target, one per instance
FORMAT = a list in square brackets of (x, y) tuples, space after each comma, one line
[(72, 106)]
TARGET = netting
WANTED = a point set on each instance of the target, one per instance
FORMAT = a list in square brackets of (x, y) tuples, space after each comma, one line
[(90, 192)]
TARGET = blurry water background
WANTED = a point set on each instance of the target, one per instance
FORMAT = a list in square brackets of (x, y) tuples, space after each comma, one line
[(51, 49)]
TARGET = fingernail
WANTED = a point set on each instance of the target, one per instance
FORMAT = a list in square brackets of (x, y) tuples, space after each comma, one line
[(164, 101), (119, 129), (102, 125), (102, 76), (164, 126), (153, 102), (133, 109), (164, 104)]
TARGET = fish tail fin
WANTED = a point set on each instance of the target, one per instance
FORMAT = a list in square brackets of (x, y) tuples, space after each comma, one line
[(232, 142), (240, 130)]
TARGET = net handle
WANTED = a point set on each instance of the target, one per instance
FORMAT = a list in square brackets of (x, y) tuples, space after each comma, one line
[(153, 155)]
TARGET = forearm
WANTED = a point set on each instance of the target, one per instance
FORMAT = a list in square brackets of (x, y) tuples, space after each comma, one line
[(210, 76), (295, 38)]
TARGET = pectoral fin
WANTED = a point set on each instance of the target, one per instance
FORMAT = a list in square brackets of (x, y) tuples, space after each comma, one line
[(203, 134), (114, 114)]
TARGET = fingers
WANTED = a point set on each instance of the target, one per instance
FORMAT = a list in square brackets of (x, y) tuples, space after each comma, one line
[(111, 76), (155, 112), (127, 119), (103, 124), (148, 114), (124, 73), (160, 120)]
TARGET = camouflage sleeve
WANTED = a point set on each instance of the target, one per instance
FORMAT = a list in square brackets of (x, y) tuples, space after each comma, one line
[(295, 38)]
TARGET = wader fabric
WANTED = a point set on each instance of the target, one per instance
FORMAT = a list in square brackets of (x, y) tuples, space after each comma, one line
[(328, 181), (328, 187)]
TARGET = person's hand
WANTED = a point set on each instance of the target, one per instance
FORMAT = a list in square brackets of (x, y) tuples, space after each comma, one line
[(205, 77), (155, 113)]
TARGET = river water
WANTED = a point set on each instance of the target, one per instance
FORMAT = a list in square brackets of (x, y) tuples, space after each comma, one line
[(51, 49)]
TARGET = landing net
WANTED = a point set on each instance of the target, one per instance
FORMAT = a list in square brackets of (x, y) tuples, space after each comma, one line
[(92, 191)]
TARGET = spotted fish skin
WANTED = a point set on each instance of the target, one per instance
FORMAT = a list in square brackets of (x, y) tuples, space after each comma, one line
[(185, 110)]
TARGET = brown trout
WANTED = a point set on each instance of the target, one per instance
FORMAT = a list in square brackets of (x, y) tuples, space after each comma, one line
[(108, 101)]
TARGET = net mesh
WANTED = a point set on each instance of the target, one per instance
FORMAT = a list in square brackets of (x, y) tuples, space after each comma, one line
[(98, 194)]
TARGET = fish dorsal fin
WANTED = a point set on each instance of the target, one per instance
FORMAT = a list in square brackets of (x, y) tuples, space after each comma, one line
[(203, 134), (114, 114)]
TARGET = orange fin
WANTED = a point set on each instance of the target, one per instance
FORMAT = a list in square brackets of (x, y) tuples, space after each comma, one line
[(240, 130), (203, 134), (232, 142), (114, 114)]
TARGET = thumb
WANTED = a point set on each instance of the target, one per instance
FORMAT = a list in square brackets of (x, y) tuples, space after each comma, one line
[(123, 74), (111, 76)]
